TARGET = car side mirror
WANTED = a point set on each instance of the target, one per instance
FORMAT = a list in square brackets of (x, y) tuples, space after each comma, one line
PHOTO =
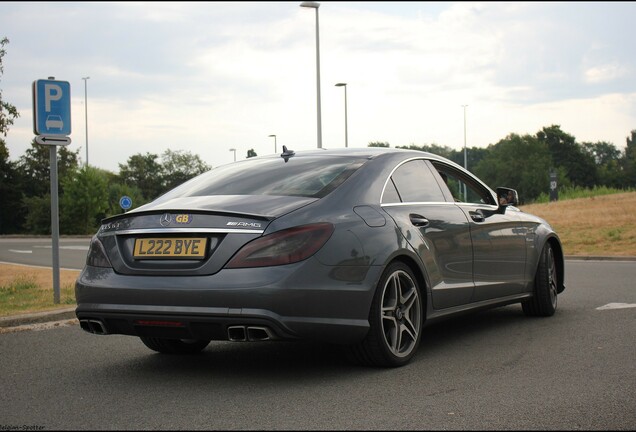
[(507, 197)]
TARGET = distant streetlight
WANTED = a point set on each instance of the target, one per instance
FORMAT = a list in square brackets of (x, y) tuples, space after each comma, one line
[(345, 98), (275, 151), (309, 4), (465, 154), (234, 150), (465, 158), (86, 115)]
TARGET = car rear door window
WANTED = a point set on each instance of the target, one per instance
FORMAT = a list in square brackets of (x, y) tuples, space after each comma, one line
[(415, 182)]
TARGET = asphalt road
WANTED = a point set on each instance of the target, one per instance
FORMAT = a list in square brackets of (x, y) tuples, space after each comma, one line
[(496, 370), (38, 251)]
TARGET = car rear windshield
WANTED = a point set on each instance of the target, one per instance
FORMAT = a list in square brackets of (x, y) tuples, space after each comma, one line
[(310, 176)]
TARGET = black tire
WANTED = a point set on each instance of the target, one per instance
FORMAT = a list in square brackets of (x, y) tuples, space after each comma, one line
[(175, 346), (395, 320), (544, 299)]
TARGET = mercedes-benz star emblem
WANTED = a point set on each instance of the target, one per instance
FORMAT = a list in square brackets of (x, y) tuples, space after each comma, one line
[(165, 219)]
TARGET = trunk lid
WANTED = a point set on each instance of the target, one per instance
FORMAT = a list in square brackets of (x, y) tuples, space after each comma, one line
[(189, 235)]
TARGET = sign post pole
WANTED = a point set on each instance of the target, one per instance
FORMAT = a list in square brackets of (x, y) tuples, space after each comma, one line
[(55, 226), (52, 125), (554, 193)]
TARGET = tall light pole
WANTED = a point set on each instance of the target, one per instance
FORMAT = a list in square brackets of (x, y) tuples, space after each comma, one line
[(86, 115), (275, 151), (465, 154), (345, 94), (465, 157), (234, 150), (315, 5)]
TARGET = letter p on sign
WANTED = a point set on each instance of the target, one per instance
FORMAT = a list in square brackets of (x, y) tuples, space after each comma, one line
[(52, 92)]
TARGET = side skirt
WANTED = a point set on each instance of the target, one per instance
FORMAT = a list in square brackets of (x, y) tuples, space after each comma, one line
[(433, 316)]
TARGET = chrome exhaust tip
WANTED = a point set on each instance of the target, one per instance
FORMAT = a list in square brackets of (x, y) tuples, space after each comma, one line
[(237, 333), (256, 334), (93, 326)]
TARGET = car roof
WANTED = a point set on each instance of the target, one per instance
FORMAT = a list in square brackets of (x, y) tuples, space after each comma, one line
[(370, 152)]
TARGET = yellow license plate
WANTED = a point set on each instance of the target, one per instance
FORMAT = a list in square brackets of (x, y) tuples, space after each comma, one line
[(173, 247)]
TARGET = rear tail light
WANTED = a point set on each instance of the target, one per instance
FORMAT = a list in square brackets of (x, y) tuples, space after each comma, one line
[(97, 255), (283, 247)]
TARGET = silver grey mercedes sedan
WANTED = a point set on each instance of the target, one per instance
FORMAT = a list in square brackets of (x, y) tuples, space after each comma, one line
[(357, 247)]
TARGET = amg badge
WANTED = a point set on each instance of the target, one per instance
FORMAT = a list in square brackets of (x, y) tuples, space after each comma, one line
[(244, 224)]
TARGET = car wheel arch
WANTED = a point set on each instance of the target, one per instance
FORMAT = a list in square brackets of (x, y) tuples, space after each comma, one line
[(546, 285), (559, 258), (420, 274), (384, 344)]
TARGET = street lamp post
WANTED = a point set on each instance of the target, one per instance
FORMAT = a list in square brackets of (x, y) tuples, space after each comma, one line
[(86, 115), (315, 5), (465, 154), (275, 151), (465, 157), (345, 98), (234, 150)]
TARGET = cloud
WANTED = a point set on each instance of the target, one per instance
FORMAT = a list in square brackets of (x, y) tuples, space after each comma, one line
[(208, 76)]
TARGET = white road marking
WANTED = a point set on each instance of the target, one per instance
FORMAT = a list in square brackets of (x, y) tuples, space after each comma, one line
[(617, 306), (20, 251), (80, 247)]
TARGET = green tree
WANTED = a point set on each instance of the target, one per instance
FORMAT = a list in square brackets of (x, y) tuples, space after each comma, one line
[(378, 144), (116, 191), (11, 214), (474, 156), (251, 153), (602, 152), (439, 150), (145, 173), (578, 164), (180, 166), (35, 166), (8, 112), (519, 162), (628, 161), (84, 202), (35, 184), (38, 214), (608, 163)]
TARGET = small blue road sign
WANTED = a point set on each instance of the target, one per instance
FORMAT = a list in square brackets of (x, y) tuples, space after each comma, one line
[(51, 107), (125, 202)]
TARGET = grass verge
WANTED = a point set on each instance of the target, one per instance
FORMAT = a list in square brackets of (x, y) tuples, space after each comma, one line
[(603, 225), (26, 289)]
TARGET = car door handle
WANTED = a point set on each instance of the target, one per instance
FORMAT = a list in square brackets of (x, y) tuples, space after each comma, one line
[(418, 220), (477, 216)]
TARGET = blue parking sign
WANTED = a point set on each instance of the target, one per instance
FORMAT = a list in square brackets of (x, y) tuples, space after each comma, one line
[(51, 107)]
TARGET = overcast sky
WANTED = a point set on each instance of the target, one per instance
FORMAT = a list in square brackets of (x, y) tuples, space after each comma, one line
[(205, 77)]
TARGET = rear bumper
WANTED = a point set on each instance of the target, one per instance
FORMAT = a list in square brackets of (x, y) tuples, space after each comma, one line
[(284, 303), (243, 327)]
